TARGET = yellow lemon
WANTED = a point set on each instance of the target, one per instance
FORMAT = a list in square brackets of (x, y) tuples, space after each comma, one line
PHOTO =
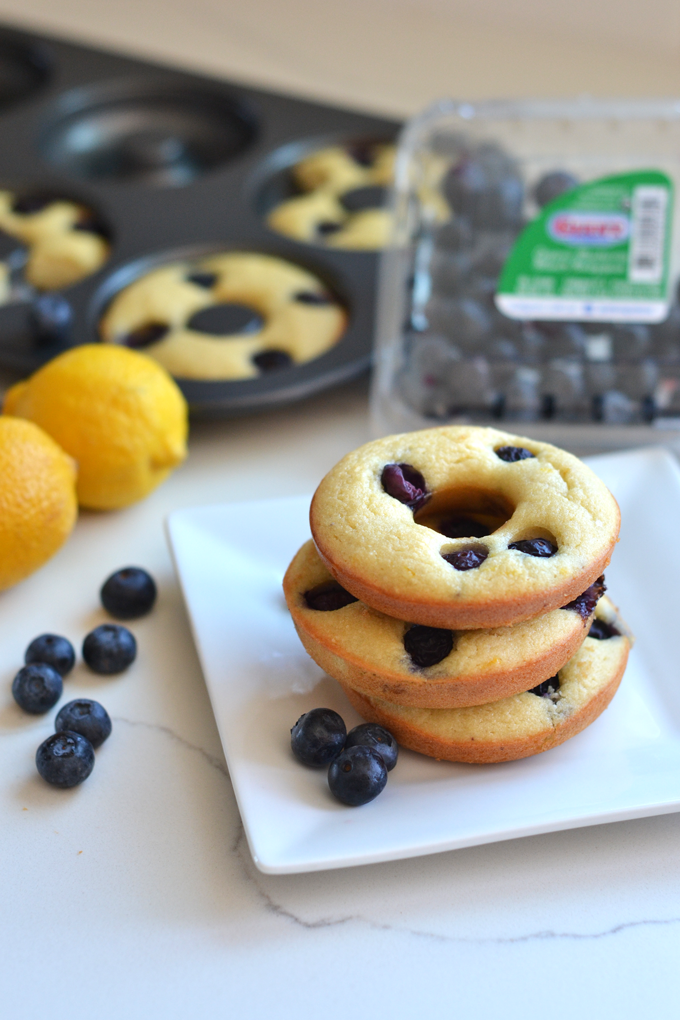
[(38, 505), (116, 412)]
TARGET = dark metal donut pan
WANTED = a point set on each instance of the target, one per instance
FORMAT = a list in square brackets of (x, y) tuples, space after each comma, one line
[(171, 163)]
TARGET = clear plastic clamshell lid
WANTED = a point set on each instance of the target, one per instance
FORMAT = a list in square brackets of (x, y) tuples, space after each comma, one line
[(533, 272)]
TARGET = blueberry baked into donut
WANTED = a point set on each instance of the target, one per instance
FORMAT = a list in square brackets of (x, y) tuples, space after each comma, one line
[(235, 315), (426, 667), (463, 527), (524, 724), (65, 241)]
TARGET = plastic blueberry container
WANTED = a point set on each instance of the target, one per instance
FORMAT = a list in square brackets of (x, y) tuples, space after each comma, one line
[(471, 180)]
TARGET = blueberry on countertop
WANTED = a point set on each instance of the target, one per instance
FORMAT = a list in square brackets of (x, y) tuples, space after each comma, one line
[(357, 776), (86, 717), (376, 737), (65, 759), (109, 648), (37, 687), (53, 649), (129, 593), (318, 737)]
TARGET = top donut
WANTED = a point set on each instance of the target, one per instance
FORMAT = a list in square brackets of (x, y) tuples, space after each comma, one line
[(463, 527)]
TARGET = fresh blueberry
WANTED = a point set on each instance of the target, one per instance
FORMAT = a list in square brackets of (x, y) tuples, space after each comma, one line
[(129, 593), (53, 649), (37, 687), (65, 759), (86, 717), (426, 646), (376, 737), (318, 737), (109, 648), (328, 596), (535, 547), (357, 776)]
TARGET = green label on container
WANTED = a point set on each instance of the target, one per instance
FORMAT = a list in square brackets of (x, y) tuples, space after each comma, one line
[(599, 252)]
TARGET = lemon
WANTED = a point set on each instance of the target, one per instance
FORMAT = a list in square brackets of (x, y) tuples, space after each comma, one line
[(116, 412), (38, 505)]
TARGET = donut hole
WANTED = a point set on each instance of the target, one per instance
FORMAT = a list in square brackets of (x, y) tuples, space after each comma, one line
[(465, 512), (226, 320), (372, 196)]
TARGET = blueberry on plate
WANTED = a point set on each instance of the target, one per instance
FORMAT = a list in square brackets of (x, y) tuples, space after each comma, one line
[(109, 648), (318, 737), (86, 717), (37, 687), (372, 735), (129, 593), (65, 759), (357, 776), (53, 649)]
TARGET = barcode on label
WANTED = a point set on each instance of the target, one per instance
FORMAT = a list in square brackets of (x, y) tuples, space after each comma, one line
[(648, 234)]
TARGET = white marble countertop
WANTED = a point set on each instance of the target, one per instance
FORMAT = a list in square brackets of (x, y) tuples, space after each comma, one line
[(134, 895), (137, 891)]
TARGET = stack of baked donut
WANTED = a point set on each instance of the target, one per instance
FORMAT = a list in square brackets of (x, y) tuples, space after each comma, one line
[(455, 590)]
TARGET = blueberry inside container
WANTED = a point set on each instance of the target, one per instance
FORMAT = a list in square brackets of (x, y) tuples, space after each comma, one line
[(457, 344), (172, 163)]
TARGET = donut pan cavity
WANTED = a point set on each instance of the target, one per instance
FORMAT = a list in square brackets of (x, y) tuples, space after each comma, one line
[(175, 166)]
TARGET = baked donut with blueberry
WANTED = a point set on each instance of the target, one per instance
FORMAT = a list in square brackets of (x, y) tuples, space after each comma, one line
[(343, 196), (235, 315), (463, 527), (524, 724), (426, 667), (65, 241)]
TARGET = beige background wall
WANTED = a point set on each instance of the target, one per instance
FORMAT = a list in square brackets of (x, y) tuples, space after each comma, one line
[(391, 55)]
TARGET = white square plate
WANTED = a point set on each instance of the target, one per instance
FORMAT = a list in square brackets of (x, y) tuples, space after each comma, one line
[(230, 561)]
